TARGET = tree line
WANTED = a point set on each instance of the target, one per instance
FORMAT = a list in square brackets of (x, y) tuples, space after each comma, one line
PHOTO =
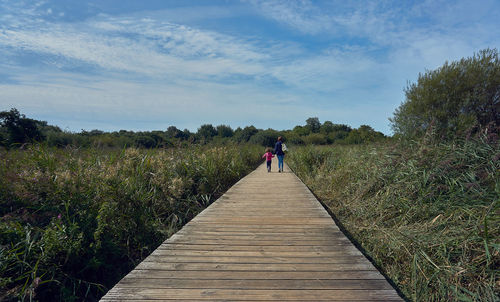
[(457, 99), (16, 130)]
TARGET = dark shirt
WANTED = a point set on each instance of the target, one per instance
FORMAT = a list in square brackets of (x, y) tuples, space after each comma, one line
[(278, 148)]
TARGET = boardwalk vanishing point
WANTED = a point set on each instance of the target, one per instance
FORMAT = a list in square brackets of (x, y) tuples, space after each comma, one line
[(266, 239)]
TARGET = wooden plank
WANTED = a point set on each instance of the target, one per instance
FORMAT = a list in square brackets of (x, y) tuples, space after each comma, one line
[(138, 282), (253, 275), (257, 242), (274, 232), (166, 253), (266, 239), (264, 220), (253, 294), (274, 237), (256, 260), (274, 248), (274, 267), (261, 229)]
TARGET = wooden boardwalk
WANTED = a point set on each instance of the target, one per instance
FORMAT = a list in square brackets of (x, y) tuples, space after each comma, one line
[(266, 239)]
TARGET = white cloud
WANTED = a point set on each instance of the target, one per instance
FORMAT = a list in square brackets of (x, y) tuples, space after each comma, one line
[(144, 46), (142, 106), (302, 15), (145, 68), (331, 72)]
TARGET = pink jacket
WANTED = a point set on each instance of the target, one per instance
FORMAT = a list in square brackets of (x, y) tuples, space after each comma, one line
[(268, 156)]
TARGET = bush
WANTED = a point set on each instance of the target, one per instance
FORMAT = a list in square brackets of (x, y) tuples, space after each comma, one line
[(266, 138), (337, 136), (315, 139), (364, 134), (206, 132), (452, 99), (60, 138), (244, 135), (16, 129), (294, 139), (145, 142)]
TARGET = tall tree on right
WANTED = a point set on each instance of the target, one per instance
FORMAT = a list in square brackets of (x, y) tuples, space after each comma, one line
[(452, 99)]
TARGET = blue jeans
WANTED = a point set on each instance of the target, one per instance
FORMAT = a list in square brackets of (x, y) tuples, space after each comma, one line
[(280, 162)]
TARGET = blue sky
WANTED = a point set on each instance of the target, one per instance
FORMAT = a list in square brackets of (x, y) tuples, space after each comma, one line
[(146, 65)]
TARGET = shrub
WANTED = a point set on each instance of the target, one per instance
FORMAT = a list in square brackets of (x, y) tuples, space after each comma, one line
[(266, 138), (17, 129), (453, 98), (315, 139)]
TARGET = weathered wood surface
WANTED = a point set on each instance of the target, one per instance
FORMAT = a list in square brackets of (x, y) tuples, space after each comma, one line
[(266, 239)]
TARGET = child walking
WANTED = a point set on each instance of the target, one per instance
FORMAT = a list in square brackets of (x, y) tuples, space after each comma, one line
[(269, 157)]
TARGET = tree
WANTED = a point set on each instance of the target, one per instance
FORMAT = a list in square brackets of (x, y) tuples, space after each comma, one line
[(18, 129), (301, 131), (294, 139), (327, 127), (453, 98), (354, 137), (206, 132), (337, 135), (158, 137), (145, 141), (173, 132), (368, 134), (315, 139), (245, 134), (341, 127), (266, 138), (224, 131), (313, 124), (94, 132)]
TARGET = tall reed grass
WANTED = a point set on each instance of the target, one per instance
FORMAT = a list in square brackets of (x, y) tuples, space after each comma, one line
[(74, 221), (426, 213)]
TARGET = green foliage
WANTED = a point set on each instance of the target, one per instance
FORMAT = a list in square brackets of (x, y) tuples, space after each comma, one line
[(60, 138), (266, 138), (315, 133), (17, 129), (145, 142), (244, 135), (313, 124), (315, 139), (453, 98), (173, 132), (426, 213), (294, 138), (206, 132), (75, 221), (312, 133), (363, 134), (301, 130), (337, 136), (224, 131), (329, 127)]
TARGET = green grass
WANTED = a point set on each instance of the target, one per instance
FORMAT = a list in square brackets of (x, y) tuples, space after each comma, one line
[(75, 221), (427, 213)]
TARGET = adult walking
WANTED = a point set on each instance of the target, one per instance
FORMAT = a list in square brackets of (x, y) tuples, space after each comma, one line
[(278, 150)]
